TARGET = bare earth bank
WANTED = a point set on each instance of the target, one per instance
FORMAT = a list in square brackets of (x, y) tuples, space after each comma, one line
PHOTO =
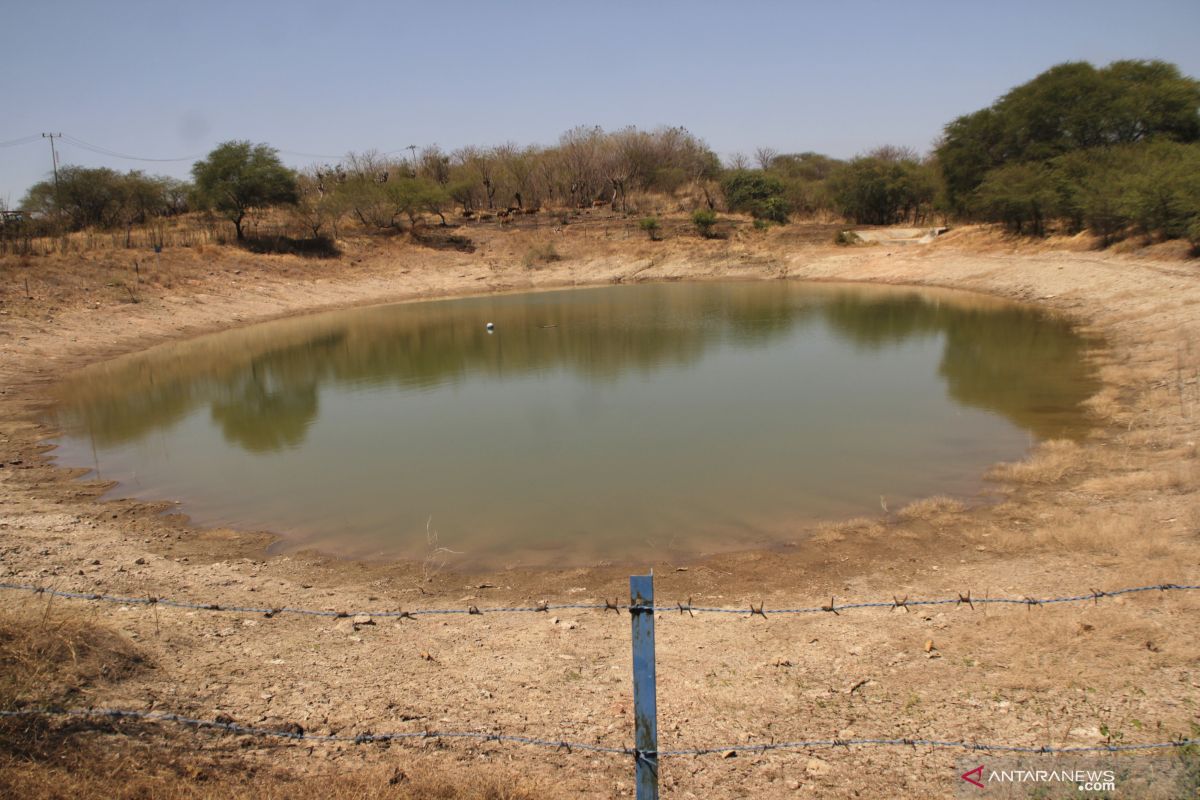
[(1119, 510)]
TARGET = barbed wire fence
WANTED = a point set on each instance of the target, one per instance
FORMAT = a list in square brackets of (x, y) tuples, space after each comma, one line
[(642, 609), (904, 603)]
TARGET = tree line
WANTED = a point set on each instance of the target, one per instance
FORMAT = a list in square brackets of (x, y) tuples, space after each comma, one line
[(1115, 150)]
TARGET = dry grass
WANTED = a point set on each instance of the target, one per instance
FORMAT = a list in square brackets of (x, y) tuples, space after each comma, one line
[(1136, 536), (163, 770), (540, 254), (1175, 478), (1052, 461), (931, 509), (49, 658), (51, 661)]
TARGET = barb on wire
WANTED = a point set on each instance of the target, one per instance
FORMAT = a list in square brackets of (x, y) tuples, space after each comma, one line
[(296, 733), (1092, 595)]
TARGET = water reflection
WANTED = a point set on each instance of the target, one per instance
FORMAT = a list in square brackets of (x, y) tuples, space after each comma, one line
[(671, 370)]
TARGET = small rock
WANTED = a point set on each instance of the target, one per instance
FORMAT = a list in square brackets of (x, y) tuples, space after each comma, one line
[(363, 619), (729, 754), (816, 766), (140, 561)]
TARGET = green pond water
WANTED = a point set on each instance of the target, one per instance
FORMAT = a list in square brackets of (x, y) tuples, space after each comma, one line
[(623, 424)]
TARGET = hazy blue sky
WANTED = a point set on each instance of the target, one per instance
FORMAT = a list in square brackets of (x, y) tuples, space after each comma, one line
[(163, 80)]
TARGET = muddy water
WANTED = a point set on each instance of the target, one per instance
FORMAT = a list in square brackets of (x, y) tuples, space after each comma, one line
[(622, 423)]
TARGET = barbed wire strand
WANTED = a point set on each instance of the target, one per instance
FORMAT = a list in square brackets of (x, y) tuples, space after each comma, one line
[(559, 744), (1093, 595)]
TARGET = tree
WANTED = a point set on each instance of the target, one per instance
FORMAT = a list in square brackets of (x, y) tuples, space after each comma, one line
[(1022, 196), (884, 187), (104, 198), (318, 207), (238, 177)]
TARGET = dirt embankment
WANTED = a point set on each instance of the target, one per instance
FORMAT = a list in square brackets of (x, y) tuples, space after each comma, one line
[(1118, 510)]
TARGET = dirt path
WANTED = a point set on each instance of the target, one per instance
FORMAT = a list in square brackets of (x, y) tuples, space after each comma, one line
[(1120, 510)]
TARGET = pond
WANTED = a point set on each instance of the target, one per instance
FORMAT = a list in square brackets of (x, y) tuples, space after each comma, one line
[(623, 423)]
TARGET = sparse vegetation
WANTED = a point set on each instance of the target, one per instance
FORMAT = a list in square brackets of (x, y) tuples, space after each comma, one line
[(1114, 150)]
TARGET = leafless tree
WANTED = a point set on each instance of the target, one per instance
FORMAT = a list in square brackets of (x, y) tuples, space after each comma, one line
[(481, 162), (765, 156), (581, 152), (434, 165), (739, 161)]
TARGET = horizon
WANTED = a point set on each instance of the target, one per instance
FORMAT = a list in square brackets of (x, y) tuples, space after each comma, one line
[(319, 85)]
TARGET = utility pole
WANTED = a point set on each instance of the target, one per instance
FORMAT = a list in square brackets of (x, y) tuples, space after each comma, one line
[(53, 156), (412, 148)]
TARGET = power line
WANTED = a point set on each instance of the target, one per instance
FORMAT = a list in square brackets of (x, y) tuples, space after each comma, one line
[(310, 155), (104, 151), (23, 140)]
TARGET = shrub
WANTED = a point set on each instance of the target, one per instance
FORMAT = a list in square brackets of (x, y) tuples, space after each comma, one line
[(540, 254), (705, 219), (652, 228), (773, 209), (758, 193)]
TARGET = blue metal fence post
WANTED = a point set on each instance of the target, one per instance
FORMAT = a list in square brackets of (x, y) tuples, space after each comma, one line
[(645, 703)]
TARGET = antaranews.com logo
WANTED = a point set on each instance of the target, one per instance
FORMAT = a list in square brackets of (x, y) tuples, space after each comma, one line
[(1141, 777), (1104, 780)]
